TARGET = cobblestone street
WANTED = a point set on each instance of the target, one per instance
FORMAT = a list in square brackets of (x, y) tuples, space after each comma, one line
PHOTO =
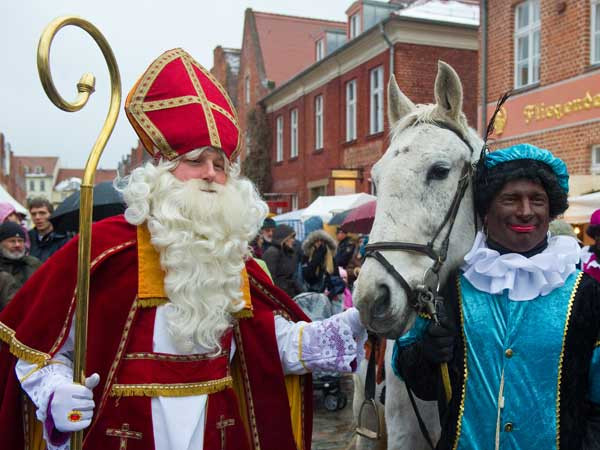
[(333, 430)]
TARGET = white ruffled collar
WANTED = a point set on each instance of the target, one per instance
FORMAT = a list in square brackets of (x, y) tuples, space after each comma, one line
[(525, 278)]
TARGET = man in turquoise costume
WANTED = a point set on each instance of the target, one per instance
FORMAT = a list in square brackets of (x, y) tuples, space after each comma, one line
[(519, 326)]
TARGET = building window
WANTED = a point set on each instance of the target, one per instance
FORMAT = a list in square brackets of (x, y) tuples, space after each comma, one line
[(38, 169), (248, 145), (31, 185), (42, 185), (527, 43), (279, 139), (26, 169), (320, 49), (595, 169), (294, 202), (354, 25), (318, 122), (316, 192), (247, 88), (351, 110), (595, 34), (376, 113), (294, 133)]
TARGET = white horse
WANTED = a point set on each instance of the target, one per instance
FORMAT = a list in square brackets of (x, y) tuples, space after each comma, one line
[(416, 181)]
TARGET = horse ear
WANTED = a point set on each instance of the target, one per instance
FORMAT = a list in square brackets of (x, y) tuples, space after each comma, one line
[(448, 90), (399, 104)]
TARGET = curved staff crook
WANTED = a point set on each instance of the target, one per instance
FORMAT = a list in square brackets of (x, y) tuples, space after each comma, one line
[(85, 87)]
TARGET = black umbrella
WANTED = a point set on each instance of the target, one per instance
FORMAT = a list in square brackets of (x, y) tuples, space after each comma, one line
[(339, 218), (107, 202)]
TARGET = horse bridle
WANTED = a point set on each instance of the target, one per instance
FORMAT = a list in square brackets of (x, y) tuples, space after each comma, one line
[(422, 297)]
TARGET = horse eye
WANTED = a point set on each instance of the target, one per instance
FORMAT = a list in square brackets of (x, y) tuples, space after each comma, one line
[(437, 172)]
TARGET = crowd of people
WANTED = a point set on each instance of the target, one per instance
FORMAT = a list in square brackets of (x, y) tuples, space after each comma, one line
[(22, 250), (319, 264)]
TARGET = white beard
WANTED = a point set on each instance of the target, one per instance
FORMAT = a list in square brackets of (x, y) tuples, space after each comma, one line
[(202, 239)]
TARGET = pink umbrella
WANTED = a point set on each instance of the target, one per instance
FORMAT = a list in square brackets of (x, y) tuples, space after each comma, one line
[(360, 219)]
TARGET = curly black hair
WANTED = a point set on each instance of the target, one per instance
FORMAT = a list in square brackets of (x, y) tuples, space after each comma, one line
[(593, 231), (489, 181)]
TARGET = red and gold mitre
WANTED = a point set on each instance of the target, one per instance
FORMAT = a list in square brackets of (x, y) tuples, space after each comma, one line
[(177, 106)]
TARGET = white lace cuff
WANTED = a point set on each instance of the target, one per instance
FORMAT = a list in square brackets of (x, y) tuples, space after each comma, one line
[(39, 384)]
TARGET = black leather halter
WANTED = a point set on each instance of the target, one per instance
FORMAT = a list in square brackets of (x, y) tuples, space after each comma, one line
[(421, 298)]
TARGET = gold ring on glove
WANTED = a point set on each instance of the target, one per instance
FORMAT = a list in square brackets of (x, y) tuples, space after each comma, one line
[(74, 415)]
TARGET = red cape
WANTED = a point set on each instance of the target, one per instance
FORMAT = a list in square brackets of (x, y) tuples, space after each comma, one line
[(35, 324)]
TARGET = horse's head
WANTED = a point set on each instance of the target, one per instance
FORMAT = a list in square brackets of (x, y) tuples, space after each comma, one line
[(416, 181)]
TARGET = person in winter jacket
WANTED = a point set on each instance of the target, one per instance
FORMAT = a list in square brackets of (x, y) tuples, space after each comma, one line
[(282, 260), (318, 263)]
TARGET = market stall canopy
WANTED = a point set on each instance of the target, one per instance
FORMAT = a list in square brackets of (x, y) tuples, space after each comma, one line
[(326, 206), (5, 197), (292, 219), (582, 207)]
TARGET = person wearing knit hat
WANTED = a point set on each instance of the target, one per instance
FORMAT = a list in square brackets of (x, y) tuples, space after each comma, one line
[(518, 324), (14, 259), (185, 328), (266, 232)]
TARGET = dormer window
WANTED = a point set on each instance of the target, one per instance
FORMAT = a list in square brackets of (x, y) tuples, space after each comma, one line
[(38, 169), (354, 25), (26, 169), (319, 49)]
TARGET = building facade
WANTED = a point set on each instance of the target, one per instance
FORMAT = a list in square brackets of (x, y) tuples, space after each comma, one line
[(329, 123), (547, 53)]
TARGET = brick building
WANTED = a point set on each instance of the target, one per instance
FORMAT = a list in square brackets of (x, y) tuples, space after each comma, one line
[(328, 122), (275, 48), (11, 174), (137, 156), (226, 67), (548, 53)]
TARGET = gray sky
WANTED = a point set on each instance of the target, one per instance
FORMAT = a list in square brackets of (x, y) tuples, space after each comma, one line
[(138, 31)]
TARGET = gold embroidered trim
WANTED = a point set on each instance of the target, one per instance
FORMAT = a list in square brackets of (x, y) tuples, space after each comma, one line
[(117, 359), (282, 313), (171, 390), (216, 83), (151, 302), (21, 350), (166, 357), (243, 314), (562, 355), (597, 344), (175, 102), (135, 107), (461, 409), (215, 140), (93, 264), (247, 387), (300, 333)]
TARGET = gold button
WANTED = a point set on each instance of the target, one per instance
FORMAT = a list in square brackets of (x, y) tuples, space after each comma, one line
[(508, 352), (508, 427)]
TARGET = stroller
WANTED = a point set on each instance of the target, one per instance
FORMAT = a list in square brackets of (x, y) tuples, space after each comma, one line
[(318, 307)]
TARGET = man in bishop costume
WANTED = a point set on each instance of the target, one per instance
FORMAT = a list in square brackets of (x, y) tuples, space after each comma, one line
[(190, 345)]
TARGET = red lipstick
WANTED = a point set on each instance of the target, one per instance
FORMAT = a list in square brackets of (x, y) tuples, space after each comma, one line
[(522, 228)]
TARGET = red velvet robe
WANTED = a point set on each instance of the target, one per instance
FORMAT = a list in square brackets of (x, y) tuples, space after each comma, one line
[(35, 324)]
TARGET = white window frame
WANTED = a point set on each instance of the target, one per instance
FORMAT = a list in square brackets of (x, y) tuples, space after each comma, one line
[(247, 88), (31, 185), (595, 32), (294, 133), (320, 49), (595, 158), (350, 110), (294, 200), (528, 33), (318, 122), (42, 185), (354, 25), (247, 139), (376, 100), (279, 138)]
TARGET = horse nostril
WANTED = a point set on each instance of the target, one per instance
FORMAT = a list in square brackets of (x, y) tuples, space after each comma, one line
[(382, 301)]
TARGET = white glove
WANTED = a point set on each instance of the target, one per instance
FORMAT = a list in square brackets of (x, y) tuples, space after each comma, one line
[(72, 406)]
